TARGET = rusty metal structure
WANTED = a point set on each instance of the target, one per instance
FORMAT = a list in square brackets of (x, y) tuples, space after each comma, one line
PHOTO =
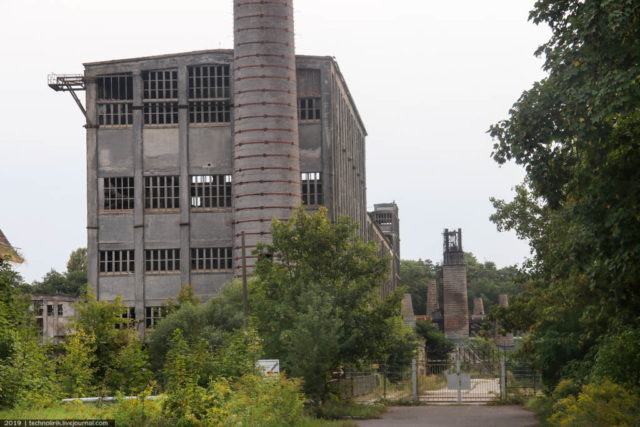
[(454, 274)]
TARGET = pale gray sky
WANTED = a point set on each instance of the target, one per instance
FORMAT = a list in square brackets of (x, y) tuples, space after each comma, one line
[(428, 77)]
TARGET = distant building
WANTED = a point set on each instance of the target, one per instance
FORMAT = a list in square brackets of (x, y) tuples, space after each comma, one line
[(53, 315)]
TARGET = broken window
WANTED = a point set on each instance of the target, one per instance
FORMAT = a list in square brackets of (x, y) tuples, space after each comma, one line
[(117, 261), (311, 188), (161, 192), (49, 310), (162, 260), (60, 310), (129, 316), (160, 96), (210, 191), (209, 94), (383, 218), (118, 193), (154, 314), (211, 259), (115, 100), (38, 308), (308, 109)]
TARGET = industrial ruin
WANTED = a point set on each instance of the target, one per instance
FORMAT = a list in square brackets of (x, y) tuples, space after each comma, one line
[(188, 152)]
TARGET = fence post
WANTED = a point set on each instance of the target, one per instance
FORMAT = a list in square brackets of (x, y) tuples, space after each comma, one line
[(414, 379), (503, 379), (384, 384), (459, 381)]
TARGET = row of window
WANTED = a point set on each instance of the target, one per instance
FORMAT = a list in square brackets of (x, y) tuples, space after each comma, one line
[(163, 192), (166, 260), (153, 314), (209, 97), (38, 308), (207, 191)]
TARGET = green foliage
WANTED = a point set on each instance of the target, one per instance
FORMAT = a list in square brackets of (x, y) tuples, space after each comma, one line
[(239, 356), (316, 301), (416, 276), (577, 133), (76, 367), (604, 404), (27, 375), (130, 372), (77, 261), (14, 313), (437, 347), (99, 318), (73, 282), (213, 321)]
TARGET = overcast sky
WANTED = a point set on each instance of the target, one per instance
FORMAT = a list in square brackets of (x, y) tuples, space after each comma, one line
[(428, 77)]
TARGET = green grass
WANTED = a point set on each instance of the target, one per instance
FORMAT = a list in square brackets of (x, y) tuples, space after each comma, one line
[(124, 414), (347, 410)]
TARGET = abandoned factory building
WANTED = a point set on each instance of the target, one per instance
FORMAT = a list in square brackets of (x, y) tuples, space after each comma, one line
[(168, 194)]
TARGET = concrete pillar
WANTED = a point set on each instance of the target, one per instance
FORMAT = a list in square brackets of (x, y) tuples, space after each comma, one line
[(185, 184), (433, 304), (92, 187), (454, 275), (138, 194), (266, 176), (456, 310), (478, 308)]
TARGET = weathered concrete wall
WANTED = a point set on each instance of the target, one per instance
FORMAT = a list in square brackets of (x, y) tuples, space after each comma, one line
[(327, 145)]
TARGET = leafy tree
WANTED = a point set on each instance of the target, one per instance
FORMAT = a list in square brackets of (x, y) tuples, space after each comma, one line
[(214, 321), (99, 319), (14, 313), (73, 282), (437, 347), (577, 133), (76, 368), (416, 276), (130, 372), (316, 300), (27, 375)]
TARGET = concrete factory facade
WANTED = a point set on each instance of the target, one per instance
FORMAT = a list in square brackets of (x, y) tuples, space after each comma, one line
[(174, 174)]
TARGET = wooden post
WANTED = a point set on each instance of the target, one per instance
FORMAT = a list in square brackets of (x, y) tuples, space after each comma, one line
[(245, 299)]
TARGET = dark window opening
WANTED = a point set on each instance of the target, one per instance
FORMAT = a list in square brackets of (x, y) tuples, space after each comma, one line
[(162, 260), (209, 94), (311, 188), (211, 259), (161, 192), (118, 193), (118, 261), (210, 191), (308, 109)]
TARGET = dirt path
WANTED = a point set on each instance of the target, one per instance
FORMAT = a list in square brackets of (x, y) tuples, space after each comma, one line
[(454, 416)]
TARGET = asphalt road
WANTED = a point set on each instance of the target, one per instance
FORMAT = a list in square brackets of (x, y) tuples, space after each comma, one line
[(454, 416)]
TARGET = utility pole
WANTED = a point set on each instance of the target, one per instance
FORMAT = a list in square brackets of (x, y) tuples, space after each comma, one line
[(245, 299)]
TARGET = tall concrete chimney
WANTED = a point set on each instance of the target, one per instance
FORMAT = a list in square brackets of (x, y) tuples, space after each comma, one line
[(266, 177), (454, 275)]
